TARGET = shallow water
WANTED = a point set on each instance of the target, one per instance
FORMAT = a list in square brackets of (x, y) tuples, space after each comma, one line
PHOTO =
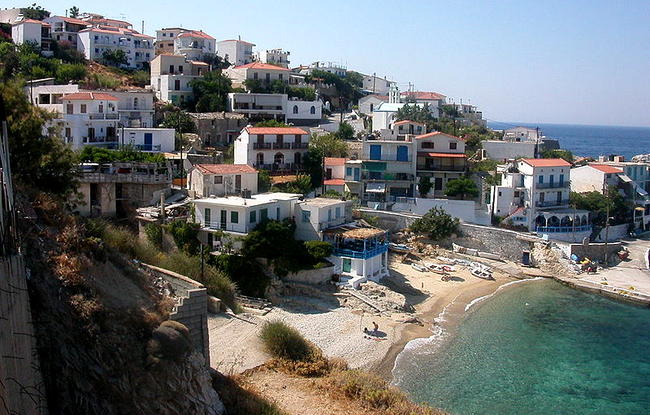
[(535, 348)]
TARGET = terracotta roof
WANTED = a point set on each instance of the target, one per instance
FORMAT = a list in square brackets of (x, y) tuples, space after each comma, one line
[(196, 33), (435, 133), (225, 168), (451, 155), (407, 122), (31, 21), (259, 65), (90, 96), (275, 130), (334, 182), (379, 97), (72, 20), (547, 162), (606, 169), (335, 161), (424, 95), (236, 40)]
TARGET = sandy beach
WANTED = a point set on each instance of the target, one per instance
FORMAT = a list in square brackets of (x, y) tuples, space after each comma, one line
[(338, 329)]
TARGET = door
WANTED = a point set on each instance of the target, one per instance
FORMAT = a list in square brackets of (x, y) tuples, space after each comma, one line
[(347, 265), (356, 174), (238, 183), (375, 152), (402, 153), (437, 184), (148, 141), (559, 198), (223, 219)]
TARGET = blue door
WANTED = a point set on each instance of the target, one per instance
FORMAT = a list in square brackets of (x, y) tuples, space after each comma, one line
[(375, 152), (356, 174), (148, 141), (402, 153)]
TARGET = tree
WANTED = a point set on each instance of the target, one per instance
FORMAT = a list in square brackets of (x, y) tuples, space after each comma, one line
[(328, 145), (461, 187), (74, 12), (214, 60), (115, 58), (211, 92), (354, 78), (558, 154), (417, 113), (67, 72), (37, 161), (34, 12), (319, 250), (271, 123), (597, 203), (424, 186), (345, 131), (302, 185), (263, 181), (437, 223), (181, 121)]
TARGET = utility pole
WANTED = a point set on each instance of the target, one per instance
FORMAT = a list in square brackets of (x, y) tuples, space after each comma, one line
[(374, 79)]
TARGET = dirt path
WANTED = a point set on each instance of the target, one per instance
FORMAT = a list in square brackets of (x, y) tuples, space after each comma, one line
[(300, 396)]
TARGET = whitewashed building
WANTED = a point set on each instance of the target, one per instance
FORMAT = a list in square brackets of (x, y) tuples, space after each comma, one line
[(33, 31), (440, 157), (275, 106), (377, 85), (165, 39), (66, 29), (331, 67), (94, 41), (534, 194), (221, 179), (276, 57), (235, 51), (433, 99), (314, 216), (595, 178), (171, 77), (193, 44), (368, 103), (277, 149), (262, 72), (334, 178)]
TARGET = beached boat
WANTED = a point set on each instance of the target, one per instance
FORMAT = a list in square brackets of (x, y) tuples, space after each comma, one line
[(481, 273), (401, 248), (419, 267), (440, 268)]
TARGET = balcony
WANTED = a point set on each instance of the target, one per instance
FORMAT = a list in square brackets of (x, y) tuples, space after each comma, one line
[(279, 167), (365, 175), (261, 146), (552, 203), (281, 146), (361, 254), (563, 229), (103, 116), (108, 140), (438, 167), (562, 185), (297, 146)]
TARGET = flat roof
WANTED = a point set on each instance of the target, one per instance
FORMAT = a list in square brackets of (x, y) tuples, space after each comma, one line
[(322, 201)]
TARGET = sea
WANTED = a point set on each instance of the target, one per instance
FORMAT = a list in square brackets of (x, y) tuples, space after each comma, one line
[(535, 348), (592, 140)]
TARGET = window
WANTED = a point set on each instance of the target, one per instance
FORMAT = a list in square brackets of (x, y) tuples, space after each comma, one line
[(252, 217), (234, 217), (329, 215), (348, 171), (427, 145), (101, 108), (206, 217), (180, 68), (83, 108), (255, 76), (562, 179), (68, 132), (268, 77), (338, 212), (402, 153), (280, 76), (453, 146), (312, 110), (375, 152), (69, 109), (306, 215), (177, 84), (135, 103), (171, 68), (218, 179), (264, 214), (540, 179), (372, 107), (295, 109)]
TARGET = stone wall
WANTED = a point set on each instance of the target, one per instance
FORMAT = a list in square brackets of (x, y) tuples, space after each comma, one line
[(505, 243), (311, 276), (191, 307), (391, 221), (614, 233), (21, 384), (594, 251)]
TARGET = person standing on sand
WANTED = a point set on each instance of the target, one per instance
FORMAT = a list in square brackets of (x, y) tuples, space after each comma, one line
[(375, 327)]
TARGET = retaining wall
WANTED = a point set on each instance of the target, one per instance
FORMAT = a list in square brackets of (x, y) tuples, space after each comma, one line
[(311, 276), (594, 251), (503, 242), (191, 308), (615, 233), (21, 383)]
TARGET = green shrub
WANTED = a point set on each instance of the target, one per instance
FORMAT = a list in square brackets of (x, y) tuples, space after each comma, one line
[(318, 249), (185, 236), (154, 234), (437, 223), (245, 272), (284, 342), (67, 72)]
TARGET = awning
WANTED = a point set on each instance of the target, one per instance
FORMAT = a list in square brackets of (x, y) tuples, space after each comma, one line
[(374, 165), (640, 190), (376, 188), (625, 178), (452, 155)]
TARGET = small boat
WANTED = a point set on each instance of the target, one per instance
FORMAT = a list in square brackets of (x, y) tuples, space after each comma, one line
[(440, 268), (401, 248), (481, 273), (419, 267)]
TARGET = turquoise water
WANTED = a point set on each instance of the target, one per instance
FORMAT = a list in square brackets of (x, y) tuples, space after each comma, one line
[(536, 348)]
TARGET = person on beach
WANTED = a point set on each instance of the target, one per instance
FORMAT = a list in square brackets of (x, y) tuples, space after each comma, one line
[(375, 327)]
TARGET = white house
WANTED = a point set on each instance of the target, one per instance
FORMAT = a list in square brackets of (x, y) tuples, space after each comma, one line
[(517, 134), (433, 99), (386, 114), (235, 51), (94, 41), (440, 157), (359, 255), (66, 29), (276, 57), (165, 39), (276, 106), (277, 149), (330, 67), (376, 85), (313, 216), (32, 31), (222, 179), (193, 44), (595, 178), (262, 72), (368, 103), (171, 76), (502, 151), (334, 174), (534, 194)]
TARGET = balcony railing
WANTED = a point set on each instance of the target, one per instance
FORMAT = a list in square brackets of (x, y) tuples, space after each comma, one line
[(103, 116), (562, 185), (217, 224), (281, 146), (368, 253), (552, 203), (107, 140), (388, 176), (261, 146), (563, 229), (441, 168), (299, 145), (278, 166), (147, 147)]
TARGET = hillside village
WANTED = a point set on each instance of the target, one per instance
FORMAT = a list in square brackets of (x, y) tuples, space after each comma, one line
[(285, 178)]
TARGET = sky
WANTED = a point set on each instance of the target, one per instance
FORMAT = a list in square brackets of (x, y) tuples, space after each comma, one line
[(571, 61)]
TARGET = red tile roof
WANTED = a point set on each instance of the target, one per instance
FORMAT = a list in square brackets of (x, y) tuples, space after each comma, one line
[(90, 96), (196, 33), (275, 130), (335, 161), (225, 168), (380, 97), (435, 133), (260, 65), (31, 21), (452, 155), (547, 162), (334, 182), (606, 169), (424, 95), (407, 122), (72, 20)]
